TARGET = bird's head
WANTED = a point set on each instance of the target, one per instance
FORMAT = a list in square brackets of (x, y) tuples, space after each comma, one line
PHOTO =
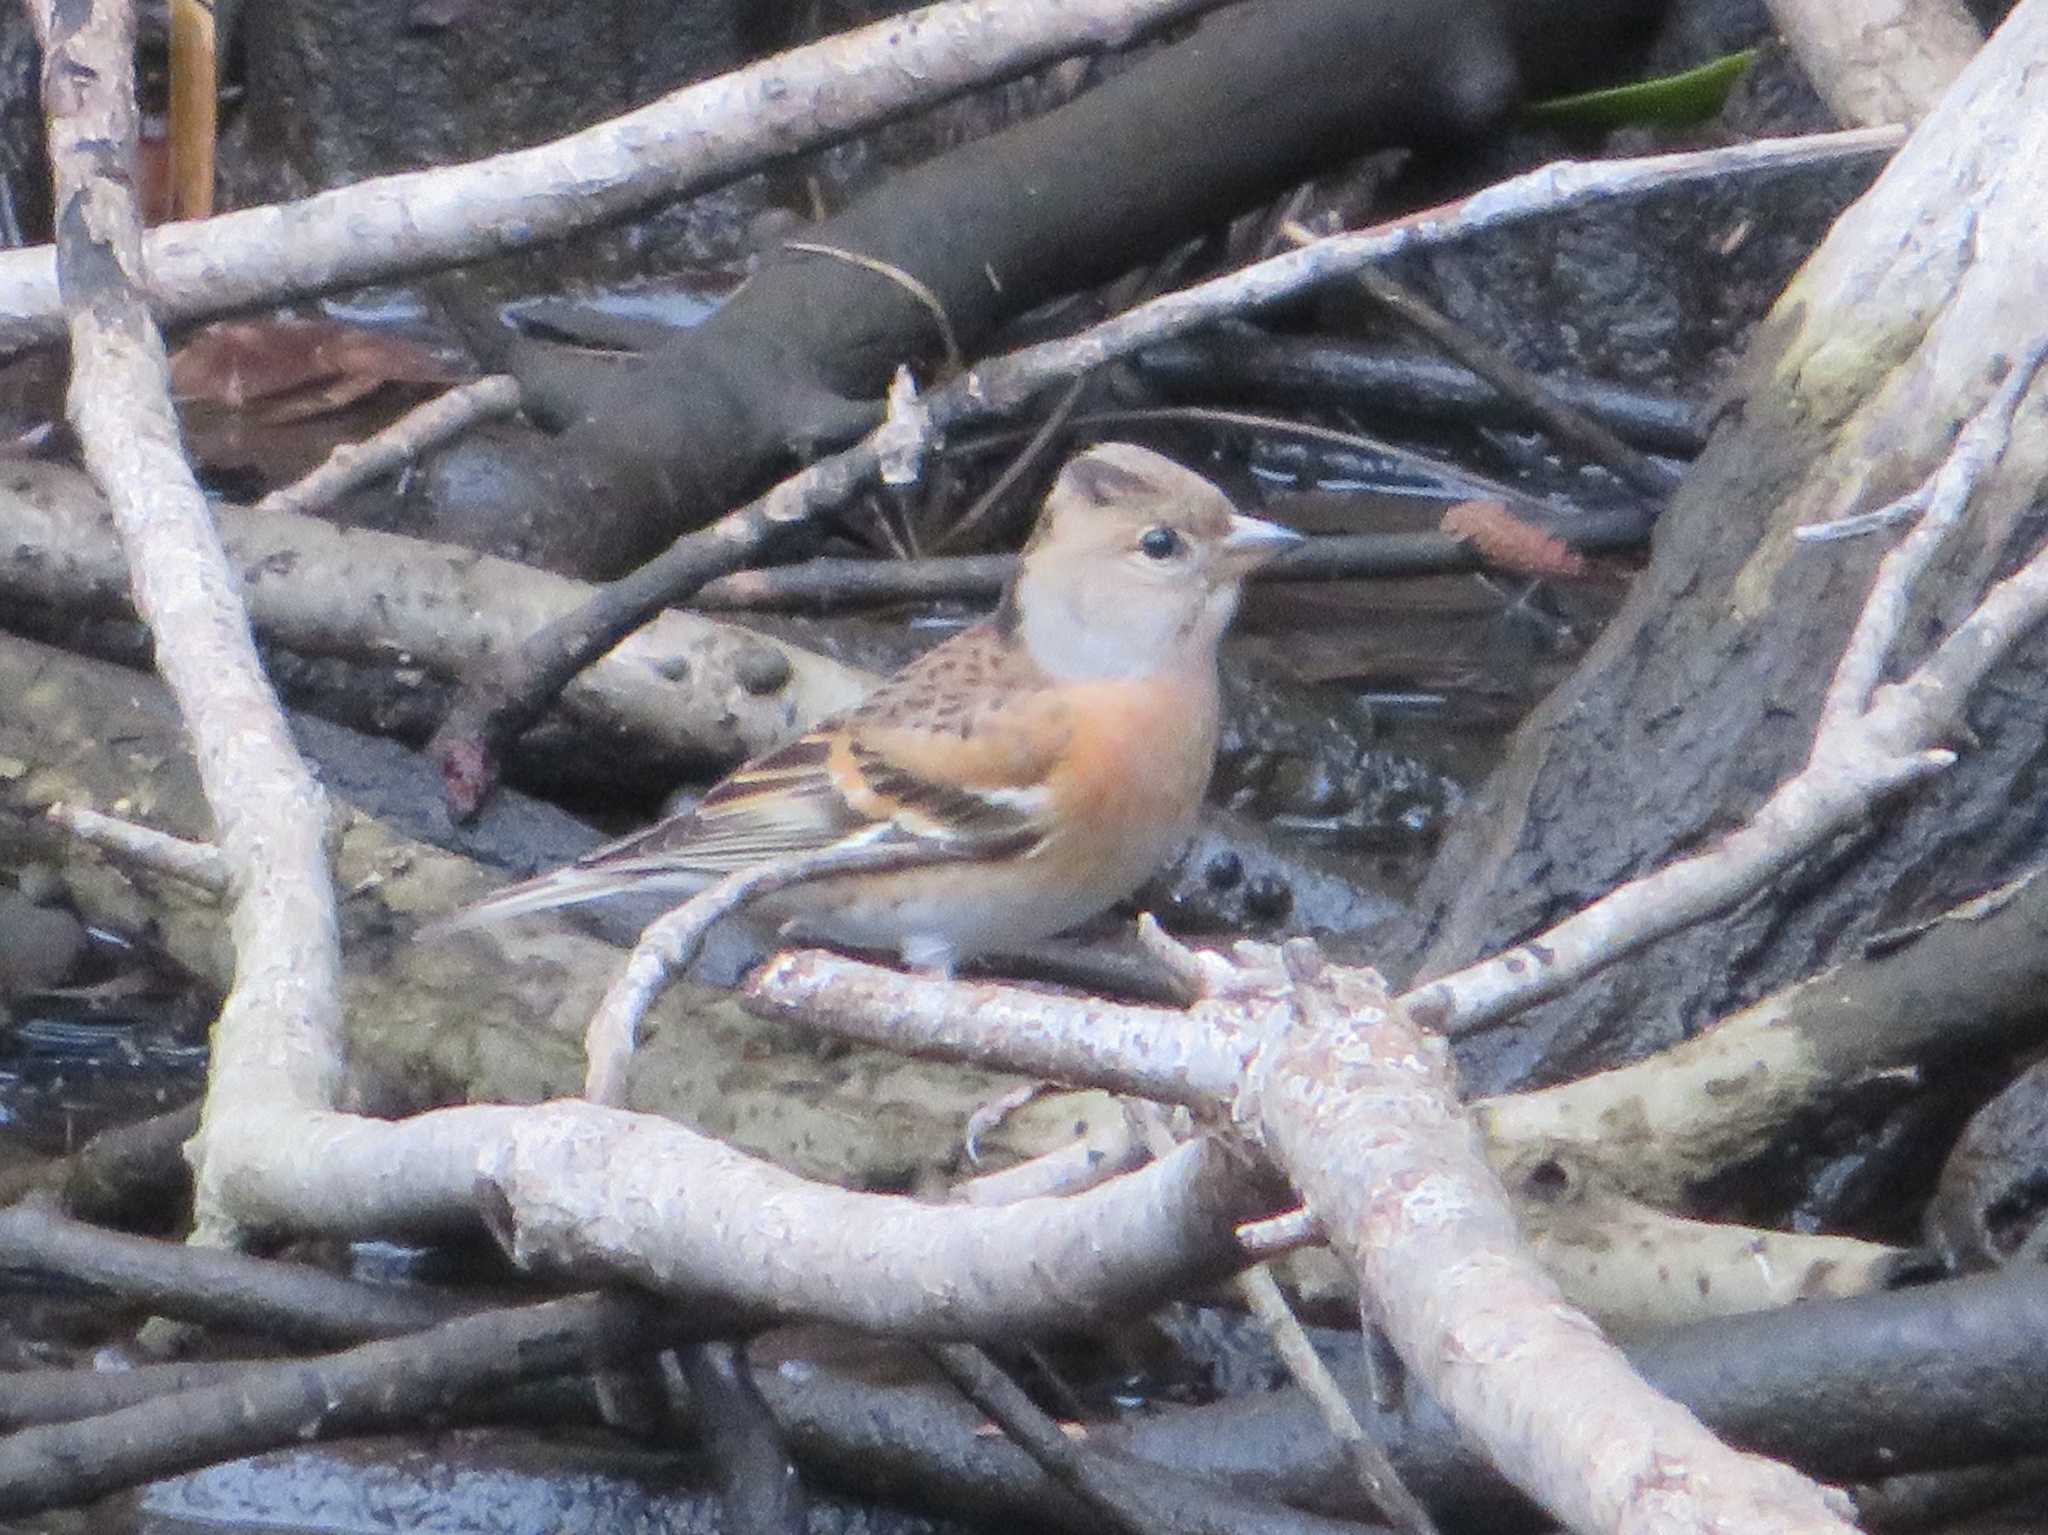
[(1134, 568)]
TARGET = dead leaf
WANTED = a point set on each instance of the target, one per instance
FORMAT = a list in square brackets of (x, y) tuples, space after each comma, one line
[(284, 369), (1507, 541)]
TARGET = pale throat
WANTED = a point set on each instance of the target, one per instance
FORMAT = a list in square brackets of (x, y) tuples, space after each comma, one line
[(1077, 634)]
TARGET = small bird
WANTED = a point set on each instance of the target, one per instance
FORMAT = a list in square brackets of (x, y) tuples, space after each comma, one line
[(1050, 758)]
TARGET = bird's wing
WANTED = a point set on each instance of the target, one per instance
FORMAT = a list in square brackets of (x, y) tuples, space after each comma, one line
[(955, 753)]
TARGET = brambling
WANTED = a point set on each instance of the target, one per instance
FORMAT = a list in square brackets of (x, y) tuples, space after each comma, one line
[(1051, 758)]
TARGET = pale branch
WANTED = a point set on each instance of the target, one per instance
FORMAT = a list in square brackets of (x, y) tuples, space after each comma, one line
[(602, 1194), (671, 942), (1613, 1256), (1360, 1106), (2008, 613), (687, 142), (1188, 1056), (691, 691), (1965, 985), (1101, 1152), (1939, 503), (276, 1038), (1879, 61), (1863, 766), (198, 864), (354, 464)]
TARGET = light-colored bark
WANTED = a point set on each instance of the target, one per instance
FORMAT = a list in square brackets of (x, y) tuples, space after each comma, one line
[(1878, 61), (700, 692), (689, 141), (277, 1036)]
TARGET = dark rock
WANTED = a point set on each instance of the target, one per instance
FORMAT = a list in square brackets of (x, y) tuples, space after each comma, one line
[(39, 945)]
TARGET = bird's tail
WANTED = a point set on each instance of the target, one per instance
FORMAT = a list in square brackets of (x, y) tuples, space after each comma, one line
[(571, 886)]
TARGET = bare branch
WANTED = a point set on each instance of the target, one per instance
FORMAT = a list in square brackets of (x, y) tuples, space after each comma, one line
[(687, 689), (1879, 61), (687, 142), (671, 942), (276, 1039), (1362, 1109), (393, 1382), (1187, 1056), (1940, 501), (290, 1300), (196, 863), (420, 429), (1368, 1462), (1127, 1504)]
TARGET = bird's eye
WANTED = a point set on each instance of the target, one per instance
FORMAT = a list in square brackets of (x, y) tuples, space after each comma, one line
[(1159, 543)]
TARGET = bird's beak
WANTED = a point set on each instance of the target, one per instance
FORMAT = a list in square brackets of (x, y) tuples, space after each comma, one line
[(1250, 543)]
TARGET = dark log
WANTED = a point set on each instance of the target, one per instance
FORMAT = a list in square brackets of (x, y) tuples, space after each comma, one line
[(212, 1285), (1262, 96), (1944, 1375), (395, 1382), (1245, 362)]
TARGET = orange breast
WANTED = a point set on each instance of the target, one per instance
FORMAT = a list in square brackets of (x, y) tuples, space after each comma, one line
[(1139, 757)]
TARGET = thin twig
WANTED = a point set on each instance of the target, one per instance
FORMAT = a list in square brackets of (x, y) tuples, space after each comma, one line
[(1940, 500), (1087, 1476), (1326, 371), (1260, 1292), (988, 500), (1494, 365), (671, 942), (199, 864), (1369, 1463), (427, 426), (910, 284)]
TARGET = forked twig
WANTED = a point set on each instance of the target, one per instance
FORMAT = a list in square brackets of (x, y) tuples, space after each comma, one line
[(670, 943)]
